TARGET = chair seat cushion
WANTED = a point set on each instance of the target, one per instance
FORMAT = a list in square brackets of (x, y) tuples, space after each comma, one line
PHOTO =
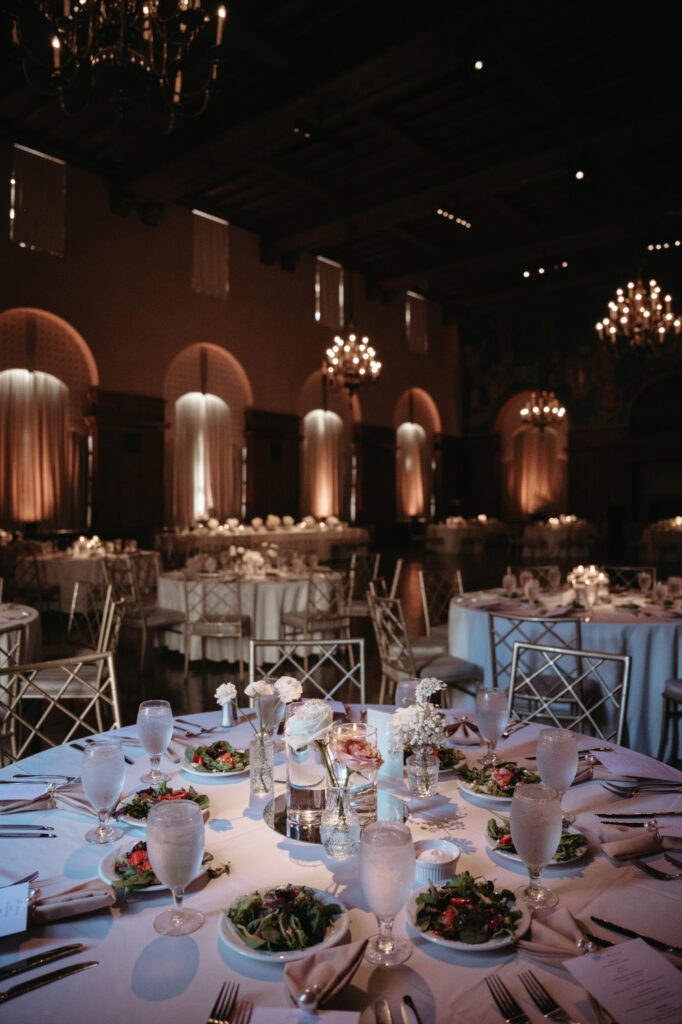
[(299, 621), (424, 647), (222, 627), (155, 618), (448, 668), (673, 690), (441, 632)]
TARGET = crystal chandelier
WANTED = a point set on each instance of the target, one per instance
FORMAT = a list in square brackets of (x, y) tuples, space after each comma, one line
[(351, 361), (640, 317), (164, 51), (542, 409)]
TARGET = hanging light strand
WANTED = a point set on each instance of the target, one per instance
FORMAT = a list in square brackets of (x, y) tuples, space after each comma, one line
[(640, 317)]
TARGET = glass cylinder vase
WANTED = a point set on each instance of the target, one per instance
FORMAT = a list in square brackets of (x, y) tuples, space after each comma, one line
[(306, 787), (363, 775), (261, 764), (339, 824), (422, 773)]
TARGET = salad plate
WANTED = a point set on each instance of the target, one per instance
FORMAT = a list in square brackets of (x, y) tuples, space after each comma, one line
[(502, 780), (139, 868), (217, 760), (251, 904), (135, 806), (572, 846), (517, 916)]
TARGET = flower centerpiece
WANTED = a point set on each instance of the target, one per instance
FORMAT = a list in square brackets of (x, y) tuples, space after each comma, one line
[(225, 695), (306, 733), (421, 727), (267, 697)]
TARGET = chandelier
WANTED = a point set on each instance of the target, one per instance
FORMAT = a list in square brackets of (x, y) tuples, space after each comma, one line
[(542, 410), (641, 317), (164, 51), (351, 361)]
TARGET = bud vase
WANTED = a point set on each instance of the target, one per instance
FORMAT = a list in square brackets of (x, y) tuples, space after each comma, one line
[(340, 825), (422, 773), (228, 718), (261, 764)]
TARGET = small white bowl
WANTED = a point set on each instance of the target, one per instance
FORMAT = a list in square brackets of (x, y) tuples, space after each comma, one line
[(436, 871)]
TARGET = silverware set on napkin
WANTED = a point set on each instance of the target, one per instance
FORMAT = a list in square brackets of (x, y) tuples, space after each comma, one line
[(29, 963)]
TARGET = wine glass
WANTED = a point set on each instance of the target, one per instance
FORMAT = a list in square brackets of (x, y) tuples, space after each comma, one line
[(386, 875), (175, 847), (554, 577), (536, 830), (154, 729), (590, 592), (102, 775), (557, 761), (491, 718), (644, 580)]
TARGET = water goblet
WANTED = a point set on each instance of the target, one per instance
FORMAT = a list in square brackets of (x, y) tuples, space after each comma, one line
[(535, 819), (644, 580), (102, 776), (590, 597), (557, 761), (491, 718), (175, 847), (154, 730), (386, 875), (674, 587), (554, 577)]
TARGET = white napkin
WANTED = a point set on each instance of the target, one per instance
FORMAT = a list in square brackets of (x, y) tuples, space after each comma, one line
[(79, 899), (330, 970)]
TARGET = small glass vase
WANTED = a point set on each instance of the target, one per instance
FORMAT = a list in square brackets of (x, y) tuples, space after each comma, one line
[(422, 773), (340, 825), (261, 764)]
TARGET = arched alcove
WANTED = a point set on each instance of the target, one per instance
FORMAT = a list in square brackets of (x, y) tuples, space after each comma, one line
[(534, 463), (206, 391), (416, 421), (327, 418)]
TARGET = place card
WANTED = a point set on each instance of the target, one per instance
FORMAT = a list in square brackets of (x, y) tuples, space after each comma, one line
[(630, 762), (13, 908), (633, 982), (25, 791)]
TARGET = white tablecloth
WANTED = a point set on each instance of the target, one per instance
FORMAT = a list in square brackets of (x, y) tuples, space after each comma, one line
[(145, 978), (655, 648), (27, 619), (567, 540), (64, 570)]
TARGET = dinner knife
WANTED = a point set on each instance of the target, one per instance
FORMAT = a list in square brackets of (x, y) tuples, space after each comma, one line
[(39, 960), (408, 1011), (28, 835), (641, 814), (382, 1012), (656, 943), (45, 979)]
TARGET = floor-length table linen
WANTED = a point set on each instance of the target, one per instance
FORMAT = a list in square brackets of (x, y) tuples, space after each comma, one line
[(150, 979), (27, 619), (64, 570), (655, 645)]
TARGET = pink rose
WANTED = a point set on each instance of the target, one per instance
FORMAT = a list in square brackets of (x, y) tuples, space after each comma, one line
[(357, 755)]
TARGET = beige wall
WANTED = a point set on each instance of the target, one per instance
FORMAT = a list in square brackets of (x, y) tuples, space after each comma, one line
[(126, 288)]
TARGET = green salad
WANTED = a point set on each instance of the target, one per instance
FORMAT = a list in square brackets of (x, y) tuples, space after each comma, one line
[(498, 780), (220, 757), (449, 756), (467, 909), (133, 870), (145, 799), (571, 844), (278, 920)]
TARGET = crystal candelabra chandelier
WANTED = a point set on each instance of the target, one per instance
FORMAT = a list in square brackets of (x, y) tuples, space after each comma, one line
[(542, 409), (351, 361), (640, 317), (163, 51)]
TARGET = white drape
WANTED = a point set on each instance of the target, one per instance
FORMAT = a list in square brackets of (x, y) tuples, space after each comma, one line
[(539, 470), (34, 449), (412, 470), (322, 462), (203, 463), (329, 293)]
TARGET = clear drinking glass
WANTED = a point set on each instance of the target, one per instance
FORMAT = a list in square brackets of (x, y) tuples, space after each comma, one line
[(536, 830), (557, 761), (591, 593), (491, 718), (102, 775), (175, 847), (554, 577), (154, 730), (386, 875), (644, 580)]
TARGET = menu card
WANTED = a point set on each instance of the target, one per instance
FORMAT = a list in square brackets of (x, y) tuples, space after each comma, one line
[(632, 981), (629, 762), (13, 908)]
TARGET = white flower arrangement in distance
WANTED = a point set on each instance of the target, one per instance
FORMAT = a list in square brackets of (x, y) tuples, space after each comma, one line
[(420, 725)]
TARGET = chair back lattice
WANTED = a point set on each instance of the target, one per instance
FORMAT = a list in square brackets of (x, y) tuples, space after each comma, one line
[(335, 668), (506, 630), (328, 600), (437, 590), (73, 694), (90, 606), (380, 587), (366, 568), (119, 573), (11, 643), (213, 606), (625, 577), (145, 569), (390, 630), (589, 692)]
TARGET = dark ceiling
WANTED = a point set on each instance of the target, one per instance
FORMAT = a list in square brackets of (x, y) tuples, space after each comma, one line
[(400, 124)]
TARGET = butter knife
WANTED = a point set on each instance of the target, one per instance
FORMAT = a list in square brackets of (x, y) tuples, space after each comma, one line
[(45, 979), (28, 835), (39, 959), (656, 943), (641, 814), (408, 1011), (382, 1012)]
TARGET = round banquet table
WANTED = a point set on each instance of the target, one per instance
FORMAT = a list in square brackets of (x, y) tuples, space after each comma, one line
[(652, 637), (23, 617), (64, 570), (145, 977)]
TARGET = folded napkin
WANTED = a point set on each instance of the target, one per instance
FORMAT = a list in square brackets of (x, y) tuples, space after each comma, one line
[(81, 899), (330, 970), (618, 841), (74, 800), (463, 732), (554, 937)]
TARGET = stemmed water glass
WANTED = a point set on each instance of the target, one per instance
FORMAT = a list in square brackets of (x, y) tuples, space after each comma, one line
[(102, 776), (591, 592), (554, 577), (557, 761), (175, 847), (386, 875), (644, 580), (154, 730), (491, 718), (535, 819)]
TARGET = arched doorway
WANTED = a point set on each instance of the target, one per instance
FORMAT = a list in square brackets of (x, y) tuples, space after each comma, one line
[(534, 463), (327, 418), (417, 422)]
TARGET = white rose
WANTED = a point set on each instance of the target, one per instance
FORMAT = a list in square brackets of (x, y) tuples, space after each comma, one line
[(288, 689), (287, 521), (213, 523), (259, 688), (226, 692), (311, 722), (233, 522), (256, 522)]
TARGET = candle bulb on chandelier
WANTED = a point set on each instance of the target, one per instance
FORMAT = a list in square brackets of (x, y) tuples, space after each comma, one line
[(222, 14), (56, 54)]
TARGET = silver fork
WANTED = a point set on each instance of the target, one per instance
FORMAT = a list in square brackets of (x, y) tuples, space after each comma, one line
[(199, 729), (639, 787), (505, 1002), (543, 1000), (243, 1012), (224, 1004), (655, 872)]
